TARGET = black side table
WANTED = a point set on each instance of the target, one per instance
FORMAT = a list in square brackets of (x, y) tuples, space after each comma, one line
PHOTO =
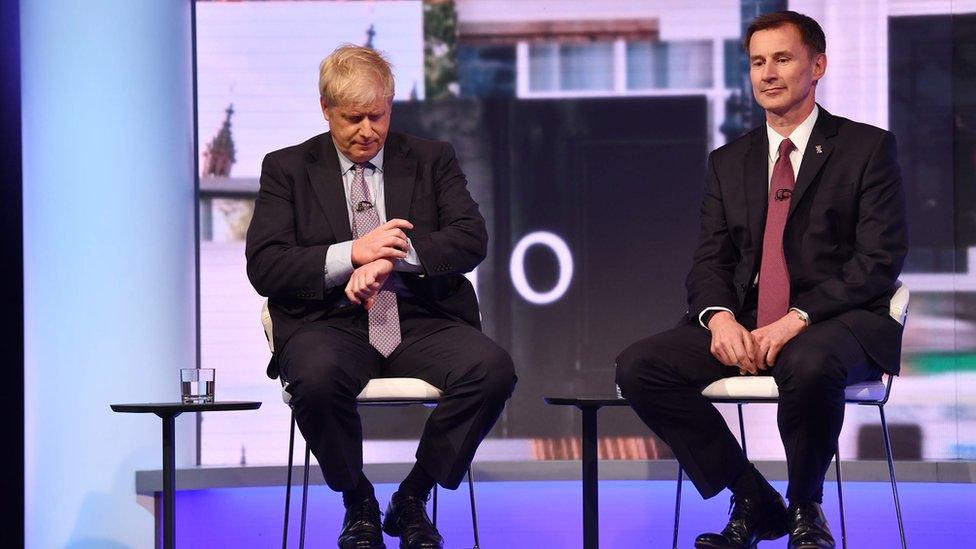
[(589, 406), (168, 411)]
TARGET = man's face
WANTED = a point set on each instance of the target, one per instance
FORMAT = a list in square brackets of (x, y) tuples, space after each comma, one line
[(782, 71), (359, 131)]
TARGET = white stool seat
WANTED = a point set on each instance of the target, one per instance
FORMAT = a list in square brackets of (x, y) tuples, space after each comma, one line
[(398, 388), (389, 389), (764, 388)]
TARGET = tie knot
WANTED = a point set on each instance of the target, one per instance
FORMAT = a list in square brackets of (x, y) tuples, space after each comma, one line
[(361, 168), (786, 147)]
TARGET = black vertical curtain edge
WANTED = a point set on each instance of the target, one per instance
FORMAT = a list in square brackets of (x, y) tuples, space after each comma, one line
[(12, 277)]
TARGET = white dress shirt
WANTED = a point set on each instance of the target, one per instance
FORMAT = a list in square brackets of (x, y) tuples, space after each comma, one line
[(338, 260), (800, 136)]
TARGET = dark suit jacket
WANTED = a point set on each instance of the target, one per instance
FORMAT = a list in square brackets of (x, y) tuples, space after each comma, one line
[(845, 238), (301, 211)]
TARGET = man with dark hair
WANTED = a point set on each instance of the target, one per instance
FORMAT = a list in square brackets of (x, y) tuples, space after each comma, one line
[(802, 240), (811, 34)]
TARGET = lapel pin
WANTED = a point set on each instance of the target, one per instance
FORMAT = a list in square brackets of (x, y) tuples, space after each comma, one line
[(818, 148)]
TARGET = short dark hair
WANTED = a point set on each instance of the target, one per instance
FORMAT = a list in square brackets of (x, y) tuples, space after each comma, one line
[(810, 32)]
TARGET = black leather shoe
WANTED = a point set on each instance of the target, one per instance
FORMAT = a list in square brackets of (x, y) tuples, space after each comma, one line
[(752, 520), (808, 527), (361, 527), (406, 518)]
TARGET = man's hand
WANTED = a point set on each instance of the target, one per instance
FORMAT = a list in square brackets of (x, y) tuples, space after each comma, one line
[(771, 338), (366, 281), (386, 241), (732, 344)]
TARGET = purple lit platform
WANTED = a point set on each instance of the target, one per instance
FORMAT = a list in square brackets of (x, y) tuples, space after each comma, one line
[(546, 514)]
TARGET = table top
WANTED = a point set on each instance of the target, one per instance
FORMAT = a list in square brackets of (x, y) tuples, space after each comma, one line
[(587, 401), (179, 407)]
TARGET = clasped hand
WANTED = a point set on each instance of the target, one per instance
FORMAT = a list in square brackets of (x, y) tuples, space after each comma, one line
[(753, 351), (386, 241), (373, 256), (366, 281)]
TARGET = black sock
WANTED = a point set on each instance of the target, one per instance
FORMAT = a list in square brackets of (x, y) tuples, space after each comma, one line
[(362, 492), (417, 484), (798, 502), (750, 484)]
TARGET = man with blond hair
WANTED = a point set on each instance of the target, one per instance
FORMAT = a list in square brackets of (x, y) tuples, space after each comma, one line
[(359, 240)]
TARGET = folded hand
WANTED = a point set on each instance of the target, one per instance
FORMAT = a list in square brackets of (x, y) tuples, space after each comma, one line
[(732, 344), (366, 281), (770, 339)]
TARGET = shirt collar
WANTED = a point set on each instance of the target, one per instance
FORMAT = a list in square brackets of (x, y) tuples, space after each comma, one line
[(345, 164), (800, 135)]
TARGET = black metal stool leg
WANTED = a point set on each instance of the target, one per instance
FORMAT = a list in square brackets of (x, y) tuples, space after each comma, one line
[(891, 475), (677, 508), (474, 511), (742, 432), (435, 506), (291, 459), (301, 539), (840, 501)]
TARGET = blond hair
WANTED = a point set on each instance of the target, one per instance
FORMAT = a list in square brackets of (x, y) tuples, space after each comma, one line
[(351, 75)]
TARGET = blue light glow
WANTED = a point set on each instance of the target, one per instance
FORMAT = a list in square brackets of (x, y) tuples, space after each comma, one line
[(108, 256)]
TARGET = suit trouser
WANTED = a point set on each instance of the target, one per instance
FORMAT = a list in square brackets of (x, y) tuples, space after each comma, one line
[(328, 362), (662, 376)]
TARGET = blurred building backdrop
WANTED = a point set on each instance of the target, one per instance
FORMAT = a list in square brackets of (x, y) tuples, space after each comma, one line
[(583, 128)]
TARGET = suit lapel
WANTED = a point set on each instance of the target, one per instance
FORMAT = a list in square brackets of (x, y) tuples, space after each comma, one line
[(757, 182), (326, 180), (815, 156), (399, 176)]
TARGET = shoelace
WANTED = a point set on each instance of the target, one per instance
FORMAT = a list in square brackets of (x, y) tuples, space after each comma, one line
[(744, 506), (414, 509), (365, 512), (805, 521), (736, 530)]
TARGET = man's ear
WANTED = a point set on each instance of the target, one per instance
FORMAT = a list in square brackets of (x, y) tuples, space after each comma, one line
[(819, 66), (325, 108)]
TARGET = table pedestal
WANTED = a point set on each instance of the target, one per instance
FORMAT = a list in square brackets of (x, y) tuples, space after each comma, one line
[(168, 411), (589, 406)]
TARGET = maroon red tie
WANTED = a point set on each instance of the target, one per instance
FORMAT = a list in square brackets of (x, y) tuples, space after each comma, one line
[(774, 277)]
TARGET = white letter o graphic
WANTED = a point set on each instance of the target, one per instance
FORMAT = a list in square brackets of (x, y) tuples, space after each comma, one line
[(516, 267)]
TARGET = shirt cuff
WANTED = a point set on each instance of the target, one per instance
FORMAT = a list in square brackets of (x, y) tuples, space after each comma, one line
[(701, 315), (338, 264), (411, 263), (802, 314)]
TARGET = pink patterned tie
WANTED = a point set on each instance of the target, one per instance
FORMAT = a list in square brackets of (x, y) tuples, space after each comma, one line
[(384, 318), (774, 277)]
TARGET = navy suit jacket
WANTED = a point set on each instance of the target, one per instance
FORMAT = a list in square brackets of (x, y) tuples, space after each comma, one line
[(845, 238)]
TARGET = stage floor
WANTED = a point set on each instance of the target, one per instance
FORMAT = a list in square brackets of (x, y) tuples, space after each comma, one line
[(633, 514)]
